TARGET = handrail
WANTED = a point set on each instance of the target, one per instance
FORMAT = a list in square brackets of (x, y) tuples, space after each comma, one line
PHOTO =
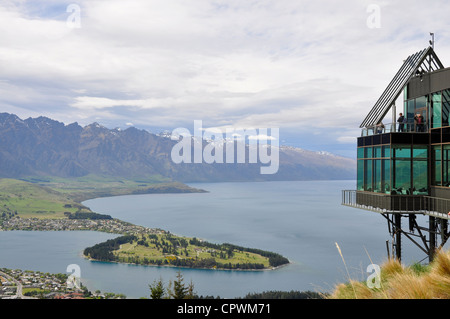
[(385, 203), (394, 127)]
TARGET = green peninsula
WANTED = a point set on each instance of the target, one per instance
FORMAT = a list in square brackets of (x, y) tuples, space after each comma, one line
[(165, 249)]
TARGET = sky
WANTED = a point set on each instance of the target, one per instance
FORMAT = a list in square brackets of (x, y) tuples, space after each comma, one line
[(313, 69)]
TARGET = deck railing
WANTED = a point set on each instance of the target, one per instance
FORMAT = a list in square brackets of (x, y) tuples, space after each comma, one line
[(393, 127), (385, 203)]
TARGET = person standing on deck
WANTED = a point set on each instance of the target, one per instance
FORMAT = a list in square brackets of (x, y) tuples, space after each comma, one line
[(401, 122)]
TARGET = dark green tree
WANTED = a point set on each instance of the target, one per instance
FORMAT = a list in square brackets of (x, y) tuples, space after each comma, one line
[(157, 289), (179, 289)]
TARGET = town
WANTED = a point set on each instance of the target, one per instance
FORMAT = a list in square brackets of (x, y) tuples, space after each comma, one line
[(19, 284), (114, 226)]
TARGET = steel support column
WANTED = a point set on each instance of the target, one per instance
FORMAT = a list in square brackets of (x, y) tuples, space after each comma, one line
[(398, 235), (432, 235)]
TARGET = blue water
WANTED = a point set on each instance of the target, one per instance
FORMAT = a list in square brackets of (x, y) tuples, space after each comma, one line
[(303, 221)]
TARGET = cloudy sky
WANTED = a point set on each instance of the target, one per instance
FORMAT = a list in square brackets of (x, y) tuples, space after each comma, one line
[(314, 69)]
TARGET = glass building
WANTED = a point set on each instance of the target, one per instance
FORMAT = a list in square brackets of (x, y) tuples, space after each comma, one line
[(403, 163)]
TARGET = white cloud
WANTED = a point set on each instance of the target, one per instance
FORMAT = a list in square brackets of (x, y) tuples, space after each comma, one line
[(308, 65), (347, 139)]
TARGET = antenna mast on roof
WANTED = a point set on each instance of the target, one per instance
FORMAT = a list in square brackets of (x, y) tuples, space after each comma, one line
[(432, 46)]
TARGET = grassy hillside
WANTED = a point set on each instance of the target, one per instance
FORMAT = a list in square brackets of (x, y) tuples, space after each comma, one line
[(400, 282), (93, 186), (51, 197), (31, 200)]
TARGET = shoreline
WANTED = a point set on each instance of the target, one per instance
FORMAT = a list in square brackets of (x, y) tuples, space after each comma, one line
[(119, 227), (181, 267), (115, 227)]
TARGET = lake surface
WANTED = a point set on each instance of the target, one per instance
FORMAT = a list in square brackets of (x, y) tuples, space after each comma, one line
[(302, 221)]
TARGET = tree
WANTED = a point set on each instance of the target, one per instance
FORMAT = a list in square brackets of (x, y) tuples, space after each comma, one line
[(179, 289), (190, 291), (157, 289), (176, 289)]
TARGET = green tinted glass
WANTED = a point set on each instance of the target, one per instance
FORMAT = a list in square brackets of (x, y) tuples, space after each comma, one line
[(401, 151), (368, 175), (360, 176), (420, 177), (436, 178), (420, 151), (402, 177), (360, 153), (436, 110), (386, 180)]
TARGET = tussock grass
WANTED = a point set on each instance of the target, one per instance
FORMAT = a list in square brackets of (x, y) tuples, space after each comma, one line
[(401, 282)]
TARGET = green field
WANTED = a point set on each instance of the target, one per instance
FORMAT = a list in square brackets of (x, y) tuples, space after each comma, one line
[(51, 197), (30, 200), (93, 186), (167, 249)]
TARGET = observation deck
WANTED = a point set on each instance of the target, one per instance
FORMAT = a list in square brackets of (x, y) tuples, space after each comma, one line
[(399, 204), (403, 166)]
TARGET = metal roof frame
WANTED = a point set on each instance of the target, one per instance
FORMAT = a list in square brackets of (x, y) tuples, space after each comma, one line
[(424, 61)]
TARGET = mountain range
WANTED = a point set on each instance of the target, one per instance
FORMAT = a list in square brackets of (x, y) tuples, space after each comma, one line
[(45, 147)]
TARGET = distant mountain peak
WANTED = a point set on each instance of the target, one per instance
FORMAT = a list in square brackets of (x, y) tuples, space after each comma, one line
[(42, 146), (95, 125)]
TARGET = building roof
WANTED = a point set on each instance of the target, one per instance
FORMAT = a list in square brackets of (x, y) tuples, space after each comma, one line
[(421, 62)]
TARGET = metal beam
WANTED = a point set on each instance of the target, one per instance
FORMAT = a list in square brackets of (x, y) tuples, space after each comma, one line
[(428, 246), (412, 64)]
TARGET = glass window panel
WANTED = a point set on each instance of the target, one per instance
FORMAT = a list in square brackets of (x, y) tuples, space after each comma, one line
[(360, 176), (410, 111), (401, 151), (445, 107), (386, 151), (377, 176), (445, 165), (368, 152), (401, 177), (420, 151), (421, 108), (368, 175), (421, 102), (420, 177), (386, 178), (436, 178), (360, 153), (377, 152), (436, 110)]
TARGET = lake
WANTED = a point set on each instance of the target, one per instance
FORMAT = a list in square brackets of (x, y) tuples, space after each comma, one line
[(301, 220)]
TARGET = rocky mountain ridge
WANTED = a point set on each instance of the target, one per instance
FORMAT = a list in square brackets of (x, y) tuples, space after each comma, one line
[(45, 147)]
